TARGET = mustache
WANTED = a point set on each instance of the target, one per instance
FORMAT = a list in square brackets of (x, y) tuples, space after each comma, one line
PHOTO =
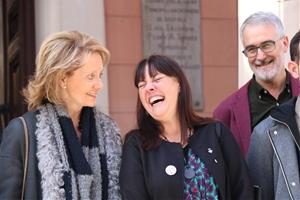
[(263, 62)]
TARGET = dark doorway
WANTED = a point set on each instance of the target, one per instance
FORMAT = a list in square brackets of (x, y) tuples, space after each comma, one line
[(18, 55)]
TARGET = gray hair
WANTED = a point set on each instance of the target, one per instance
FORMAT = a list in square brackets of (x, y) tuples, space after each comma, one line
[(265, 18)]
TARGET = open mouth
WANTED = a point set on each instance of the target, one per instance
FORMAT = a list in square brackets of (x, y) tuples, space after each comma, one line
[(156, 99)]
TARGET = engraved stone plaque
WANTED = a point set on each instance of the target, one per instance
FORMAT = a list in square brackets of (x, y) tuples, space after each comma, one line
[(172, 28)]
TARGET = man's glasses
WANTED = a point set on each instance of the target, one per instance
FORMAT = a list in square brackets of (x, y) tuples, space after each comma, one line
[(266, 47)]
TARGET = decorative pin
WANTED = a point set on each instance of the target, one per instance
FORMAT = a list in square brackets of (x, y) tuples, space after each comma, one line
[(209, 150), (189, 173), (171, 170)]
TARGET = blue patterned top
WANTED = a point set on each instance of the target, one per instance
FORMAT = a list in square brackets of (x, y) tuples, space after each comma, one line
[(198, 184)]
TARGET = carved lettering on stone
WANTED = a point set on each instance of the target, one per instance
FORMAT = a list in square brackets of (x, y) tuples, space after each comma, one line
[(172, 28)]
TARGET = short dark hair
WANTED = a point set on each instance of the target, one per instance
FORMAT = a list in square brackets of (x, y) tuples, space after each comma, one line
[(149, 128), (294, 47)]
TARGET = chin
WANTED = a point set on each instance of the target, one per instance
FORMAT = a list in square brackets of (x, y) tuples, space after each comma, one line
[(267, 75), (90, 104)]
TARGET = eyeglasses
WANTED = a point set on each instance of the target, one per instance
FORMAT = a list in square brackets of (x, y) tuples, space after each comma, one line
[(266, 47)]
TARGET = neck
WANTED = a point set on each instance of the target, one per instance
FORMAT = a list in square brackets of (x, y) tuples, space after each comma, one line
[(74, 114), (75, 117), (172, 131), (276, 86)]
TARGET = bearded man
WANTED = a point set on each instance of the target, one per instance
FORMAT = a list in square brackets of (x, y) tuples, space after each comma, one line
[(265, 44)]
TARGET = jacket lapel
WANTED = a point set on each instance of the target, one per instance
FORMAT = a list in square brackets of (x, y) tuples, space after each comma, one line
[(286, 114), (206, 147), (288, 162), (241, 113)]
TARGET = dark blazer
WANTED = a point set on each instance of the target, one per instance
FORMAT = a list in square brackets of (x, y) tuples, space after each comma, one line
[(11, 156), (143, 175), (234, 111)]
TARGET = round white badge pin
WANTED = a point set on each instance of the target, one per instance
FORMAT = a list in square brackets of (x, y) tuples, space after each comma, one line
[(171, 170)]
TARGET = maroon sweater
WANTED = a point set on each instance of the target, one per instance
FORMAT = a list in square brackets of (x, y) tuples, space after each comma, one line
[(234, 111)]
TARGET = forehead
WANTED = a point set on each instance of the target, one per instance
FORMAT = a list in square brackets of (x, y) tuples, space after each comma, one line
[(91, 62), (148, 71), (258, 33)]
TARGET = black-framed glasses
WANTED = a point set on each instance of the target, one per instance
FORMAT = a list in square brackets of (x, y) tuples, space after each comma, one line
[(266, 47)]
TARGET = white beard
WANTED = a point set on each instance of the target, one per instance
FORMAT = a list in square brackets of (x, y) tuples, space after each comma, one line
[(268, 73)]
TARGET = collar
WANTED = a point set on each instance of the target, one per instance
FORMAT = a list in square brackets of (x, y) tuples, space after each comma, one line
[(286, 113), (259, 90)]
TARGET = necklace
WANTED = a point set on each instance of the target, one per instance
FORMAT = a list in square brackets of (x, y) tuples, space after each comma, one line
[(189, 173), (189, 131)]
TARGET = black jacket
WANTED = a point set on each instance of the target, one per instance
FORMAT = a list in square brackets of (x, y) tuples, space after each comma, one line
[(143, 173)]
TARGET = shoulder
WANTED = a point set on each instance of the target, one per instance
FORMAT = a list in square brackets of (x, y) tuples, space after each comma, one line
[(229, 101), (215, 133), (132, 146), (12, 138), (211, 131), (108, 128), (260, 131), (240, 93), (264, 125), (260, 143), (15, 125), (102, 116), (133, 137), (104, 119), (212, 127), (15, 129)]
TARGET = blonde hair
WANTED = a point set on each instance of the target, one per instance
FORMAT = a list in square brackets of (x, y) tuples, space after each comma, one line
[(60, 55)]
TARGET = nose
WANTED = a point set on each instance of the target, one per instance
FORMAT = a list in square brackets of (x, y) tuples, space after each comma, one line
[(260, 54), (150, 86), (98, 85)]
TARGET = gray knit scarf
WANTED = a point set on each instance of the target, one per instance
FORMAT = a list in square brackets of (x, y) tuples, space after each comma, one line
[(89, 172)]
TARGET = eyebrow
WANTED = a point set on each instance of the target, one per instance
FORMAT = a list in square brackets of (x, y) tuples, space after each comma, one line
[(252, 45)]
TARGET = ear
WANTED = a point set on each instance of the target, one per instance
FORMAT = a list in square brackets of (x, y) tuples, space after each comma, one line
[(285, 43), (63, 82), (293, 69)]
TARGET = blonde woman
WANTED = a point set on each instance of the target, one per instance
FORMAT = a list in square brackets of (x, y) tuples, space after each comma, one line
[(74, 149)]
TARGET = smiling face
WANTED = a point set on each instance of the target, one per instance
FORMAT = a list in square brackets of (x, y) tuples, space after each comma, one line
[(266, 66), (81, 87), (159, 95)]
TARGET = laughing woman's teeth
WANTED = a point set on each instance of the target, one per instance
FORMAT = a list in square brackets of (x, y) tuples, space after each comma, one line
[(156, 99)]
